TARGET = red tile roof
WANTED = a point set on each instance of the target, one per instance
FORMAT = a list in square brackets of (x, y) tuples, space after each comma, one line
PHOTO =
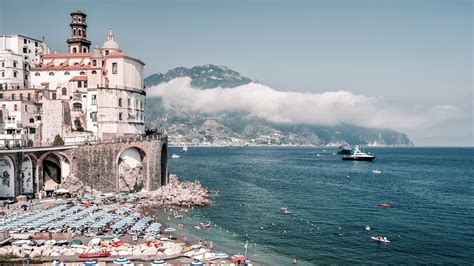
[(67, 55), (81, 78)]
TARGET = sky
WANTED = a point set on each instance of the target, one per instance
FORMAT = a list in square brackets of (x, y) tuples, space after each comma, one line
[(410, 55)]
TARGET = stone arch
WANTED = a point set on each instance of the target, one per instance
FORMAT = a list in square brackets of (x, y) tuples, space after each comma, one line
[(164, 165), (27, 174), (132, 165), (53, 168), (7, 177)]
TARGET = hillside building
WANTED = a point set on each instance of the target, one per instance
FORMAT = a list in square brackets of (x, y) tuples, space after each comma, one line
[(82, 95)]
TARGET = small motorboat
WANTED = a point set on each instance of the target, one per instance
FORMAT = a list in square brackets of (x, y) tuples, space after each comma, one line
[(197, 227), (62, 243), (238, 258), (285, 210), (376, 172), (382, 239), (221, 255), (207, 225), (100, 254), (175, 156), (367, 227), (384, 205)]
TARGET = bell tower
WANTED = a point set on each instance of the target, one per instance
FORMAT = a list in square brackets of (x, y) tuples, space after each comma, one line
[(78, 42)]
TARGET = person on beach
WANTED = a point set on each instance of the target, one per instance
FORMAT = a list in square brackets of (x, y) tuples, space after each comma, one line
[(211, 245), (200, 242), (205, 242)]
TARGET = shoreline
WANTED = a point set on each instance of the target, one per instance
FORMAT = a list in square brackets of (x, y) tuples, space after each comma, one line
[(146, 248)]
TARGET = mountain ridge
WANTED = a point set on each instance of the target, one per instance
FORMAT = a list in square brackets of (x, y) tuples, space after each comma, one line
[(244, 129)]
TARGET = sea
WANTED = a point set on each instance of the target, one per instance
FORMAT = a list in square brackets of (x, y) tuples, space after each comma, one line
[(430, 190)]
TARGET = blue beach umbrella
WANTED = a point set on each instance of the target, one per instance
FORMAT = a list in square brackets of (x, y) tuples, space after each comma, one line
[(196, 263), (91, 263), (158, 263), (121, 261)]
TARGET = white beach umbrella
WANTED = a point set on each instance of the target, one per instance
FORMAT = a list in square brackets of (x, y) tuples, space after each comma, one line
[(91, 263), (196, 263), (121, 261), (158, 263)]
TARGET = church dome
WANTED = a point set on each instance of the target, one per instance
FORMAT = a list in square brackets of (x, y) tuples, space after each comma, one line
[(110, 43)]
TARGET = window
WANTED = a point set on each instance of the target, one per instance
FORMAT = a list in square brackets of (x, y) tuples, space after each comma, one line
[(21, 96), (13, 96), (94, 72), (54, 97), (82, 73), (66, 73), (94, 99), (37, 74), (114, 68), (120, 116), (3, 63), (3, 74), (51, 73), (29, 97), (25, 41), (120, 102), (15, 74), (32, 130), (25, 50), (106, 52), (74, 50), (63, 91), (128, 103), (15, 63), (79, 84), (94, 62), (1, 95), (93, 116), (85, 83), (15, 107), (26, 108), (32, 120), (77, 107), (36, 44)]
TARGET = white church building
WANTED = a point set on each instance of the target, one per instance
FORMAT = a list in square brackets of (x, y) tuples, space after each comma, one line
[(82, 95)]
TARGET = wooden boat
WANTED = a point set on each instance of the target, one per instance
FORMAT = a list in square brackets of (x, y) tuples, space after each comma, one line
[(100, 254)]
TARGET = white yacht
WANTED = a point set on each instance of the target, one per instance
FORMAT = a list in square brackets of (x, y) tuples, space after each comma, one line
[(175, 156), (358, 155)]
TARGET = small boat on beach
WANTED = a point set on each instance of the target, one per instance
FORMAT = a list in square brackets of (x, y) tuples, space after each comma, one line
[(175, 156), (238, 258), (358, 155), (384, 205), (382, 239), (100, 254)]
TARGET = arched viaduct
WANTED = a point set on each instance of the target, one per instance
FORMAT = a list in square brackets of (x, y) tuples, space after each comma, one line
[(129, 164)]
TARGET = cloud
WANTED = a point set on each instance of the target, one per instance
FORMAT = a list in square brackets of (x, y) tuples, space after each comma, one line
[(327, 108)]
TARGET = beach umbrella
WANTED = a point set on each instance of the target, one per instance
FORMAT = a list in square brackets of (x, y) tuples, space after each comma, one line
[(121, 261), (61, 191), (196, 263), (58, 263), (158, 263), (170, 229), (91, 263)]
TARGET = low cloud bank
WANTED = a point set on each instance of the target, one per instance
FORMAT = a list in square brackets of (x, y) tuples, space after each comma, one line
[(328, 108)]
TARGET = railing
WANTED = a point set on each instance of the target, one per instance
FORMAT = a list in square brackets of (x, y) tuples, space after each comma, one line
[(155, 136)]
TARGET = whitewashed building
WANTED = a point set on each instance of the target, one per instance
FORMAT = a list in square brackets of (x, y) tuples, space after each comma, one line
[(82, 95)]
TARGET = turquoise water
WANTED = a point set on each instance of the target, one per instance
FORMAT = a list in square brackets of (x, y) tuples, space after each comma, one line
[(330, 200)]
